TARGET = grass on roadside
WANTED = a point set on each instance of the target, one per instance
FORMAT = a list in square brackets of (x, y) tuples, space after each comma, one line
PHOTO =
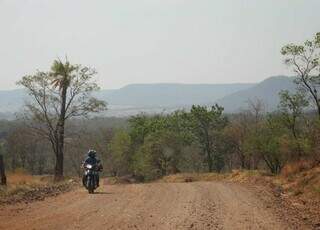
[(20, 182), (25, 187), (304, 182), (235, 175)]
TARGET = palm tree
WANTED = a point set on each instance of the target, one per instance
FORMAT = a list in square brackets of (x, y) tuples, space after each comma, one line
[(64, 86), (61, 74)]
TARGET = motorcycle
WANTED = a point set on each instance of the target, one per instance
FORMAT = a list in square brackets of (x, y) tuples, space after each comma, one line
[(91, 176)]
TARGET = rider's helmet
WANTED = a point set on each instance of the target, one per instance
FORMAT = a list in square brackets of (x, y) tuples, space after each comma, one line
[(92, 153)]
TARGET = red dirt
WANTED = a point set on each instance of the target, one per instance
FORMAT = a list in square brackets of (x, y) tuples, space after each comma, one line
[(199, 205)]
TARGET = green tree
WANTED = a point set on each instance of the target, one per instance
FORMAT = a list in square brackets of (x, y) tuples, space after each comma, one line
[(236, 133), (58, 95), (305, 62), (160, 155), (120, 153), (207, 124), (291, 109), (268, 143), (139, 129)]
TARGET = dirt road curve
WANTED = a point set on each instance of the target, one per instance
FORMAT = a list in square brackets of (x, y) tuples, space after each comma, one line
[(200, 205)]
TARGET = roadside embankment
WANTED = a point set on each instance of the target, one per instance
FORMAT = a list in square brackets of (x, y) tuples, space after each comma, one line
[(27, 188)]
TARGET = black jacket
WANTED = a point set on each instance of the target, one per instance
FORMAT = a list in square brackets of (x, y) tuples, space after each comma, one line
[(91, 161)]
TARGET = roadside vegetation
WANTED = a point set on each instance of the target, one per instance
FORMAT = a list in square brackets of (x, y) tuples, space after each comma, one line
[(24, 187)]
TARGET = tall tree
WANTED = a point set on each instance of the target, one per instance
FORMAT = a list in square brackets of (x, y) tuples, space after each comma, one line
[(120, 153), (291, 110), (292, 107), (58, 95), (61, 74), (267, 143), (305, 62), (257, 110), (236, 133), (206, 125)]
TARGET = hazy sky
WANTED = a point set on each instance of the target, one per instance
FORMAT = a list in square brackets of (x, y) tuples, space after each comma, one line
[(148, 41)]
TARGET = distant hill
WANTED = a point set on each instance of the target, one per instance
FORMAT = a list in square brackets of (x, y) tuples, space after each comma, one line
[(157, 98), (11, 100), (136, 98), (168, 95), (267, 91)]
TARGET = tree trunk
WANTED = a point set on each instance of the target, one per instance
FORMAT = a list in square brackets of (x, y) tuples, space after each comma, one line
[(13, 163), (60, 153), (207, 150), (58, 176), (3, 178), (242, 159), (210, 162), (318, 109), (60, 136)]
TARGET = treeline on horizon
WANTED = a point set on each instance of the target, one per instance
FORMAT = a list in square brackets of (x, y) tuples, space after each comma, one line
[(203, 139)]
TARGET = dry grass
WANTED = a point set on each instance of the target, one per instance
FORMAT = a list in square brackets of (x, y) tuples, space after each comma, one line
[(29, 194), (25, 187), (296, 167), (297, 179), (191, 177), (304, 183), (21, 182), (235, 176), (21, 178)]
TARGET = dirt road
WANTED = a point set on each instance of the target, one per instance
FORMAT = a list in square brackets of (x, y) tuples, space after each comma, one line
[(199, 205)]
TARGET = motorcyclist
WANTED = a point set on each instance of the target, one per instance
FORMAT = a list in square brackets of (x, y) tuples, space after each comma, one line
[(94, 161)]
